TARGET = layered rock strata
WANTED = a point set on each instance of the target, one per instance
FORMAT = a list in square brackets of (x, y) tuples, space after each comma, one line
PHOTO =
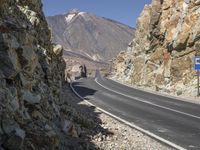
[(166, 40), (31, 74)]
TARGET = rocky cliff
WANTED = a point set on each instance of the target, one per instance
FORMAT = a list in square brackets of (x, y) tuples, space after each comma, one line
[(31, 75), (161, 55), (95, 37)]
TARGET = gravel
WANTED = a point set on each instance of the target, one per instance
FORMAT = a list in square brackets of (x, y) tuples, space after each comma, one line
[(123, 137), (111, 134)]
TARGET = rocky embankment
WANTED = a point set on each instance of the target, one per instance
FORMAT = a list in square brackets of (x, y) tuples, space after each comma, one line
[(161, 55), (33, 114)]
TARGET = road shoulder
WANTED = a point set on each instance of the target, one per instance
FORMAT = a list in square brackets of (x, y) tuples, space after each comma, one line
[(195, 100), (121, 135)]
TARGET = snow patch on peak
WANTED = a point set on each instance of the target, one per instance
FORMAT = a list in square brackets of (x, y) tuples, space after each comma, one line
[(73, 13), (69, 17), (82, 13)]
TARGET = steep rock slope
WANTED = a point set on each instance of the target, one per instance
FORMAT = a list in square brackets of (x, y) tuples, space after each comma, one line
[(31, 75), (95, 37), (161, 55)]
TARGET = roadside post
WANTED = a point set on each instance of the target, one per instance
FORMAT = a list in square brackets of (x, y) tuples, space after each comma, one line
[(197, 68)]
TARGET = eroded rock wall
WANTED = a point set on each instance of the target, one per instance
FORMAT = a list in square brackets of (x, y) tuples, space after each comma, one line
[(161, 55), (31, 75)]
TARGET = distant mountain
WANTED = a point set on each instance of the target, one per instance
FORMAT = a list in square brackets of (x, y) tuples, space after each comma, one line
[(95, 37)]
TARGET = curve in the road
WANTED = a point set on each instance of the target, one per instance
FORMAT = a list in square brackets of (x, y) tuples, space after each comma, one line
[(144, 101), (173, 145), (173, 122)]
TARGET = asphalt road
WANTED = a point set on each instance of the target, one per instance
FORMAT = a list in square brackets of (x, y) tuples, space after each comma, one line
[(171, 119)]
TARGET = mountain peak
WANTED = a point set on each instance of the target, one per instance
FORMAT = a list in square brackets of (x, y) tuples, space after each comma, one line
[(92, 36), (70, 15), (74, 11)]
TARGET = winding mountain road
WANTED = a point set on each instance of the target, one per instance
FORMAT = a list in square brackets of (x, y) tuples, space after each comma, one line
[(174, 122)]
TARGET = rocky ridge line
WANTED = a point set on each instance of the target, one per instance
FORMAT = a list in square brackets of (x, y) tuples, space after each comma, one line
[(94, 37)]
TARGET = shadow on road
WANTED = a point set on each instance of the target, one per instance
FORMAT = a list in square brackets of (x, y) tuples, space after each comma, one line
[(83, 91), (90, 118)]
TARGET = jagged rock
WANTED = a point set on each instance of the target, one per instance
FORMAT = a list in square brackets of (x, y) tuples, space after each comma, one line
[(31, 75), (19, 132), (15, 141), (9, 125), (14, 104), (47, 127), (179, 92), (58, 50), (67, 126), (31, 98), (74, 132), (161, 54), (197, 2), (70, 129)]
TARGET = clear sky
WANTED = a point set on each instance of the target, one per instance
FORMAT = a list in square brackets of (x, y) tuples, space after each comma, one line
[(124, 11)]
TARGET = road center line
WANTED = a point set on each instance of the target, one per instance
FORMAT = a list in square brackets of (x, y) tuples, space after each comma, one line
[(147, 102)]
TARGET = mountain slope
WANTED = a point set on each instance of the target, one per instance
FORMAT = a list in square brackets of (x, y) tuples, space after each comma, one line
[(95, 37)]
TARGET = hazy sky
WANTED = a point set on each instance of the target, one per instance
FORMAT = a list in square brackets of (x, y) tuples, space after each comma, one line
[(125, 11)]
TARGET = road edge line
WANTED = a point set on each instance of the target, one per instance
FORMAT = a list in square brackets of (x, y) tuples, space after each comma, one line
[(159, 139), (179, 98), (156, 105)]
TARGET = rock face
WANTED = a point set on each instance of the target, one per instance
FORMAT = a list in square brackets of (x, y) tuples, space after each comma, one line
[(97, 38), (161, 55), (31, 75)]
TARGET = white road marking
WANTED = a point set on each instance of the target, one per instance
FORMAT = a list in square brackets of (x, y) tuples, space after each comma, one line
[(191, 100), (132, 125), (144, 101)]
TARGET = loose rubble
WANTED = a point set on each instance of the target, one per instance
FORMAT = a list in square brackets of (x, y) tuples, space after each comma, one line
[(111, 134)]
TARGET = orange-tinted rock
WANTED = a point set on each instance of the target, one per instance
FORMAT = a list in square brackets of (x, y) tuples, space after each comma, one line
[(167, 36)]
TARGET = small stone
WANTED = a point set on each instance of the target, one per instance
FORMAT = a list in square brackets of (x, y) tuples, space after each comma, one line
[(14, 104), (15, 141), (19, 132), (67, 126), (58, 50), (31, 98), (179, 92), (100, 139), (51, 134), (197, 2), (74, 132), (47, 127), (38, 115), (79, 130), (9, 125)]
